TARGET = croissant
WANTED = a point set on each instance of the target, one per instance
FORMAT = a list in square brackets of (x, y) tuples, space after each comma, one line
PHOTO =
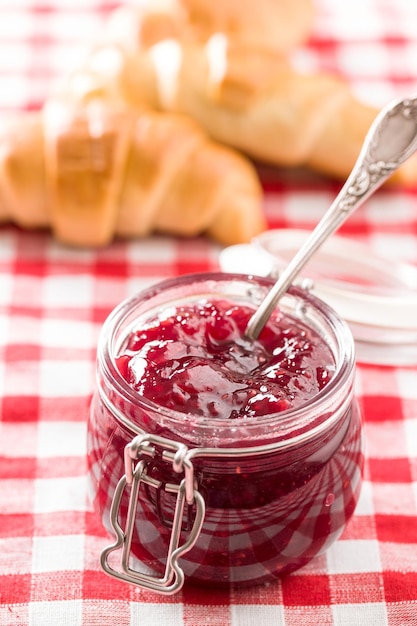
[(274, 25), (247, 97), (93, 168)]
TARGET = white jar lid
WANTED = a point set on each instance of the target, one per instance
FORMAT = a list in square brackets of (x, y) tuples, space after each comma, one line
[(375, 295)]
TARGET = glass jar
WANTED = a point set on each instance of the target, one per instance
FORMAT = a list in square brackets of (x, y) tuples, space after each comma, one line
[(221, 501)]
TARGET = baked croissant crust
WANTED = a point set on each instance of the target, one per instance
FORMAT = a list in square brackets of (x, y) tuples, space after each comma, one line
[(93, 168), (273, 25), (244, 94), (278, 25)]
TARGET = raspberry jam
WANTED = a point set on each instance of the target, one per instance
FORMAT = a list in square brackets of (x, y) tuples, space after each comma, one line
[(214, 459), (198, 361)]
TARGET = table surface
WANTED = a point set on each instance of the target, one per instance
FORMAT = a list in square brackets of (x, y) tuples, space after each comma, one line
[(53, 301)]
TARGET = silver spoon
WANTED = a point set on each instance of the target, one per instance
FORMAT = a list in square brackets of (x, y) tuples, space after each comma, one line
[(390, 141)]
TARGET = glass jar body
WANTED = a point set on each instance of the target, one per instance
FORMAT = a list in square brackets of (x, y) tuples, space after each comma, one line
[(276, 492)]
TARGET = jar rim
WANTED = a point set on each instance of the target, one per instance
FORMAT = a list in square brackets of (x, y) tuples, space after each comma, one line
[(375, 294), (224, 430)]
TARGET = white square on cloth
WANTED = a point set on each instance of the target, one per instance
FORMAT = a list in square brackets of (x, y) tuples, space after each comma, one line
[(365, 504), (68, 291), (410, 426), (59, 333), (60, 553), (6, 288), (60, 494), (371, 614), (65, 378), (60, 439), (165, 614), (246, 615), (56, 612), (353, 556)]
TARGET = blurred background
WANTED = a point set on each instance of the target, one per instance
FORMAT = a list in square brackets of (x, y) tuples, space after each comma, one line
[(372, 43)]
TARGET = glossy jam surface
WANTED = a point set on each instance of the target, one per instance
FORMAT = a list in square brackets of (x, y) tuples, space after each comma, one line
[(197, 360)]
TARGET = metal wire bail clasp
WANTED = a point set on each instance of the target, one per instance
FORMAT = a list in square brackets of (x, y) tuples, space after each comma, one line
[(136, 456)]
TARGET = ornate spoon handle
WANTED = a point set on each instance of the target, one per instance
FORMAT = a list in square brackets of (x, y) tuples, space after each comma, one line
[(390, 141)]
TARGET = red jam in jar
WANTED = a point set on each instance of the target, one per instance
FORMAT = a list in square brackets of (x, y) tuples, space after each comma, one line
[(217, 459), (198, 361)]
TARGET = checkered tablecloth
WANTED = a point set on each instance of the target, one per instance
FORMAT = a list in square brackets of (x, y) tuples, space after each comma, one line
[(53, 301)]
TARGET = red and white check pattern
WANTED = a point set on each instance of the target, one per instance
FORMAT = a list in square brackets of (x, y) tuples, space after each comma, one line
[(53, 301)]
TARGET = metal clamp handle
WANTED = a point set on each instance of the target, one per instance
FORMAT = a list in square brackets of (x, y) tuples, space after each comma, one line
[(176, 453)]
